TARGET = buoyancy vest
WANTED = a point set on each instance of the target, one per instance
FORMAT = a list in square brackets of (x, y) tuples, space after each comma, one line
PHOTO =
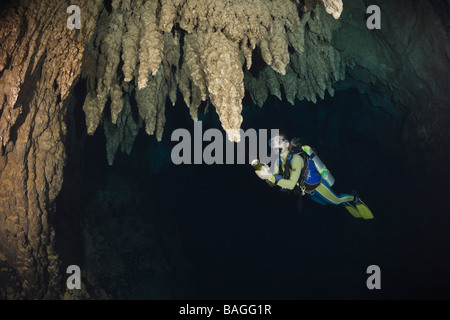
[(309, 178)]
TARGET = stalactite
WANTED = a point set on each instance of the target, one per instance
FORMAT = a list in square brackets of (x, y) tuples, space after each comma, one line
[(130, 42), (150, 54), (257, 88), (117, 101), (333, 7), (151, 103), (193, 64), (271, 80), (225, 79), (313, 67), (171, 62), (169, 10), (297, 35), (120, 134)]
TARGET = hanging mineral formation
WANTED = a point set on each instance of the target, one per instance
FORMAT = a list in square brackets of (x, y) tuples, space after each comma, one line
[(150, 49)]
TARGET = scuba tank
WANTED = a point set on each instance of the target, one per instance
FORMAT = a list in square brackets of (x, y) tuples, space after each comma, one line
[(321, 168)]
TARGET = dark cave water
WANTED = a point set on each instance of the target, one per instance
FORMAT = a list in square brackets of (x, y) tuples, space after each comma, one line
[(145, 228)]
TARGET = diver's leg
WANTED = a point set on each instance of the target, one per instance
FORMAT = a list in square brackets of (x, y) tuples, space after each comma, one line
[(324, 193), (317, 198)]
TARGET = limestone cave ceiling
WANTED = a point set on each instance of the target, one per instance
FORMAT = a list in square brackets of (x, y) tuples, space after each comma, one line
[(204, 49), (150, 50)]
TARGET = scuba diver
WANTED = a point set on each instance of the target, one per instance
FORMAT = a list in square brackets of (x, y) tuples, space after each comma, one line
[(300, 170)]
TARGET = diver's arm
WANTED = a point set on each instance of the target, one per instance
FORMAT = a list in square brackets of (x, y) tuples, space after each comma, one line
[(272, 181), (297, 166)]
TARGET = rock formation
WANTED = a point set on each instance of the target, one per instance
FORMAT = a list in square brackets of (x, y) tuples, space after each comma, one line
[(200, 48), (40, 59), (407, 62)]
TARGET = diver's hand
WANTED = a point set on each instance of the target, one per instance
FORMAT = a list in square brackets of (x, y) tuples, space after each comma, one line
[(264, 173)]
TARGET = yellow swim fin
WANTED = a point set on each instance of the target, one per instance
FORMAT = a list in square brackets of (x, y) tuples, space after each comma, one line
[(363, 209), (353, 211)]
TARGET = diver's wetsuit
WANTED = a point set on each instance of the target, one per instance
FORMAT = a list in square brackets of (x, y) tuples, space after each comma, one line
[(322, 194)]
